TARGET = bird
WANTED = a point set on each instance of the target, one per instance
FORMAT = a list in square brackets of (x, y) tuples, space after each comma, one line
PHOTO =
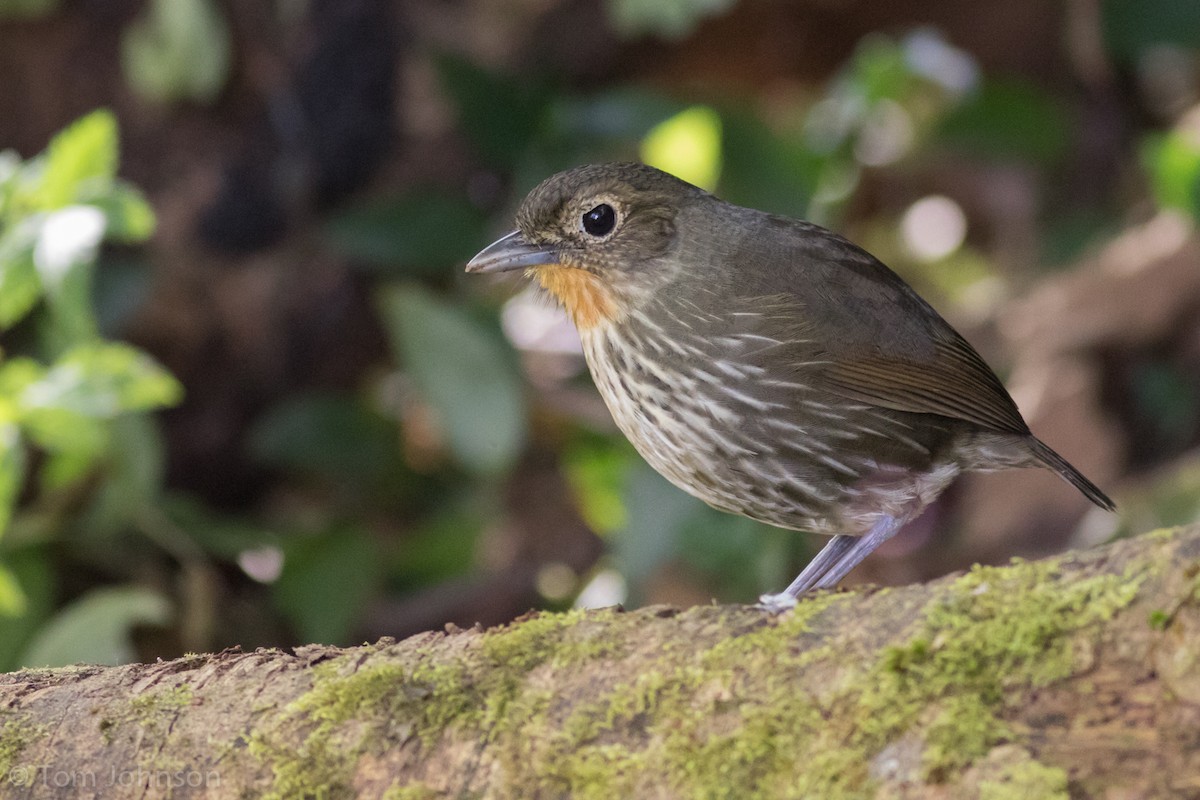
[(765, 364)]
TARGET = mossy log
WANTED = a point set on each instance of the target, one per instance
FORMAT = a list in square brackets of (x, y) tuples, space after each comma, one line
[(1073, 677)]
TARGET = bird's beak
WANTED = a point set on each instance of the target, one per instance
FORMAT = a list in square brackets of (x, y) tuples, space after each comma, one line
[(510, 252)]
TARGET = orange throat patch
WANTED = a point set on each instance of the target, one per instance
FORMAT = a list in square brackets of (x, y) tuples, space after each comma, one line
[(585, 297)]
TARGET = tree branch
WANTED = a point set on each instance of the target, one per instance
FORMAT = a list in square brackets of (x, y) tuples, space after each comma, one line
[(1077, 676)]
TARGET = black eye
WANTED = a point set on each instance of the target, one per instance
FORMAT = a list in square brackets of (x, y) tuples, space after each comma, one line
[(600, 220)]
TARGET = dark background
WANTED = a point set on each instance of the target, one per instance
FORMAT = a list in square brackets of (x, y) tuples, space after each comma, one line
[(359, 434)]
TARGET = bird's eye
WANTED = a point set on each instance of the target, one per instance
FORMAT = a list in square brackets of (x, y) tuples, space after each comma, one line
[(600, 220)]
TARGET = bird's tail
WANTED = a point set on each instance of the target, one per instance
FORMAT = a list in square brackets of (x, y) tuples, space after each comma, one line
[(1068, 473)]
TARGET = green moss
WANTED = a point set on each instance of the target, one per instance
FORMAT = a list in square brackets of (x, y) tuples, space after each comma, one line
[(998, 629), (1163, 534), (1026, 779), (964, 726), (412, 791), (560, 639), (322, 764), (695, 724), (313, 771), (149, 705), (690, 721), (16, 734), (146, 710), (786, 707), (480, 688)]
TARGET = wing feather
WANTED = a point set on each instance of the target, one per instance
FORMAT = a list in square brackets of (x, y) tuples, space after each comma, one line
[(867, 335), (953, 385)]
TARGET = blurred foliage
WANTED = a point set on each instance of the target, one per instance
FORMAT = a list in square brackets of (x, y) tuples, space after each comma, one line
[(95, 628), (672, 19), (407, 235), (687, 145), (467, 376), (177, 50), (1009, 119), (1132, 27), (402, 478), (326, 582), (26, 9), (66, 402), (499, 113), (1168, 500), (1173, 161)]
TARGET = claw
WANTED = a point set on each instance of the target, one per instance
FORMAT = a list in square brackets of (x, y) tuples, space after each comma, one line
[(776, 603)]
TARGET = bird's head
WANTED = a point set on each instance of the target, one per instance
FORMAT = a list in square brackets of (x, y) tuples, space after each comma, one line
[(596, 237)]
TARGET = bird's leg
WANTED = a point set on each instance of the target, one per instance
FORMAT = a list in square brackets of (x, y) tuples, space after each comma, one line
[(831, 555), (840, 555), (862, 547)]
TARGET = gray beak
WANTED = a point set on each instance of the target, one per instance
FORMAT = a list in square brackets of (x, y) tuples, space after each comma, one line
[(511, 252)]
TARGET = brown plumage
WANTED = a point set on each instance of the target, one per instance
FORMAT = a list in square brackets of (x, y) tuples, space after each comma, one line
[(764, 364)]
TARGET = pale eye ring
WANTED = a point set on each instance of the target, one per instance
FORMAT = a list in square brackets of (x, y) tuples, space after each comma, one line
[(599, 221)]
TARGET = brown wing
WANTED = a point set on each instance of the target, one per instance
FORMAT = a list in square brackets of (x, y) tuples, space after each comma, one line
[(882, 343), (956, 383)]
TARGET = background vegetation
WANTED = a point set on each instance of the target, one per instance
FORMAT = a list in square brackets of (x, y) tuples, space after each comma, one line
[(247, 395)]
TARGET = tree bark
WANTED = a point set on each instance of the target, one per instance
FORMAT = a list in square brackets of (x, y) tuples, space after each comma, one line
[(1073, 677)]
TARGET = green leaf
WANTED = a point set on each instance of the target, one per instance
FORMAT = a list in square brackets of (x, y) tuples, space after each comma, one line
[(101, 380), (68, 464), (10, 178), (1009, 119), (464, 371), (20, 286), (13, 602), (439, 549), (177, 50), (1132, 26), (130, 217), (16, 374), (67, 409), (80, 438), (64, 256), (878, 71), (596, 468), (12, 470), (688, 146), (326, 583), (95, 628), (497, 113), (1173, 161), (81, 160), (332, 435), (672, 19), (30, 568), (133, 475), (420, 234)]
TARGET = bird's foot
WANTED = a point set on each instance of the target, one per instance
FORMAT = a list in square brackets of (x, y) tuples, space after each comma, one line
[(776, 603)]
